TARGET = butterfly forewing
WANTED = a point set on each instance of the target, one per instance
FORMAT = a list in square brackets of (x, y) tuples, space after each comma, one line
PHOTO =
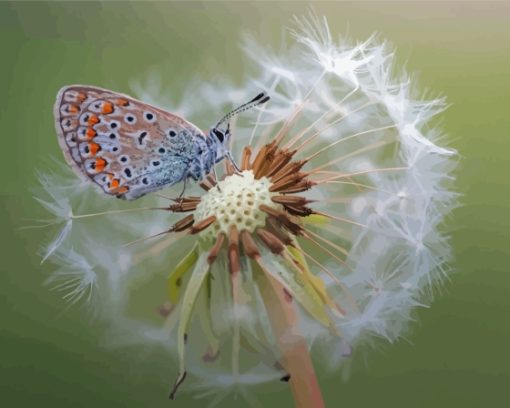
[(127, 147)]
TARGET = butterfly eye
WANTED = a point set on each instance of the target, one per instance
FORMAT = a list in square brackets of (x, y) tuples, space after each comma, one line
[(219, 135)]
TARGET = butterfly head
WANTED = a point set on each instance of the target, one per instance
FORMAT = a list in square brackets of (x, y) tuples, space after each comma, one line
[(222, 140), (222, 136)]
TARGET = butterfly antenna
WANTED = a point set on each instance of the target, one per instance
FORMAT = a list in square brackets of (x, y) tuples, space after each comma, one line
[(258, 100)]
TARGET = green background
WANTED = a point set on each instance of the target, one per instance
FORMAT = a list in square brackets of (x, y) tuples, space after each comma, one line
[(457, 352)]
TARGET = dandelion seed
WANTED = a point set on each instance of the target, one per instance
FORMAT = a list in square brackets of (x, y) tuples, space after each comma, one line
[(75, 278), (59, 239), (61, 209)]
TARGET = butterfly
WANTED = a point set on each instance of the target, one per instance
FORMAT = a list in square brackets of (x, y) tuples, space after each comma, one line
[(130, 148)]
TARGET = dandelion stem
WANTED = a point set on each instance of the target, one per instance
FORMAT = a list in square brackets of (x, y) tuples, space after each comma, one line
[(327, 251), (368, 187), (330, 125), (345, 289), (263, 137), (291, 120), (296, 138), (330, 253), (48, 224), (354, 153), (329, 146), (327, 241), (261, 112), (76, 217), (341, 219), (359, 173), (235, 279), (136, 241), (295, 355), (157, 248)]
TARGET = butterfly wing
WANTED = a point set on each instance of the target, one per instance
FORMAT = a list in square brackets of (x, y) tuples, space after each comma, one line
[(127, 147)]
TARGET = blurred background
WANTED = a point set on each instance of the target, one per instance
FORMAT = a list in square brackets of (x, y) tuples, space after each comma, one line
[(455, 354)]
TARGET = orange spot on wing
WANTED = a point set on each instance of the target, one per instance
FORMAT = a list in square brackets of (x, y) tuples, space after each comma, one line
[(114, 183), (94, 148), (122, 102), (107, 108), (100, 164), (121, 190), (91, 133), (93, 119), (81, 97), (73, 109)]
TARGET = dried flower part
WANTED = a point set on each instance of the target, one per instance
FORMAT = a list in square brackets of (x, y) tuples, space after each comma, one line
[(185, 204)]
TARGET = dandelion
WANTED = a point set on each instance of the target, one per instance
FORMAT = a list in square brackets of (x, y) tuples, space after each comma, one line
[(328, 235)]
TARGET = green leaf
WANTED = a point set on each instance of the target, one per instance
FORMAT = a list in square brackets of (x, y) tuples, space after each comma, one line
[(193, 287), (174, 283), (298, 287), (315, 282), (204, 315)]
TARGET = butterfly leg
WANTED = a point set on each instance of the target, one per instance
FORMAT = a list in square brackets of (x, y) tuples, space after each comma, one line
[(216, 177), (231, 160), (183, 189)]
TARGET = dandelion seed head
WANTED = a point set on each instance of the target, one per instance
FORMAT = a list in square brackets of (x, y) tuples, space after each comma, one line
[(235, 202), (336, 217)]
